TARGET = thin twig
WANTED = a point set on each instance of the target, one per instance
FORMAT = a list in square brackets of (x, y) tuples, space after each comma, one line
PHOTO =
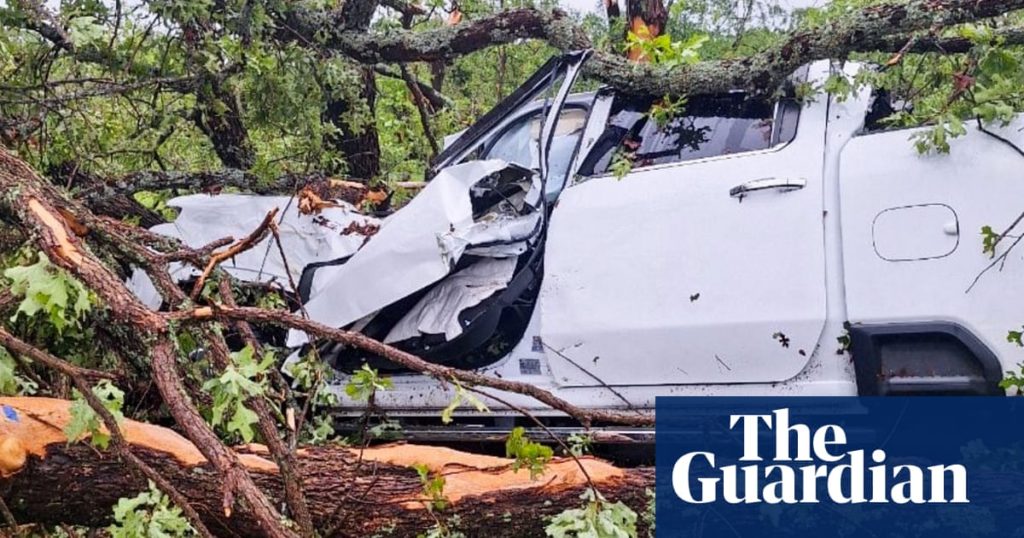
[(237, 248), (410, 361)]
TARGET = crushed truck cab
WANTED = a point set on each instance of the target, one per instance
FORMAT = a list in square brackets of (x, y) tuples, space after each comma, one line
[(608, 254)]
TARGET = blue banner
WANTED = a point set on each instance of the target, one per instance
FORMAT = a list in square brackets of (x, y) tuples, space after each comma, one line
[(840, 467)]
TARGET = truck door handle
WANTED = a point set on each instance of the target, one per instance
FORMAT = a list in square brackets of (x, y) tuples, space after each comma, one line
[(780, 184)]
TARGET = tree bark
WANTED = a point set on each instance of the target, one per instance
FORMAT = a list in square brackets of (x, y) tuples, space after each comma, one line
[(218, 115), (858, 31), (360, 146), (646, 20), (101, 198), (351, 492)]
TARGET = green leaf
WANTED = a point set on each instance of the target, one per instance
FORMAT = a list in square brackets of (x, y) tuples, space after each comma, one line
[(597, 518), (47, 289), (149, 514), (85, 422), (461, 396), (365, 382), (85, 30), (533, 456), (12, 384), (242, 422)]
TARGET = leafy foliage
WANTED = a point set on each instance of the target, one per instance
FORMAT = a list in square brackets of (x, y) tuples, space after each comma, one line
[(310, 374), (150, 514), (989, 238), (461, 396), (48, 291), (365, 382), (241, 380), (528, 454), (597, 518), (665, 52), (11, 383), (433, 487), (579, 444), (84, 420)]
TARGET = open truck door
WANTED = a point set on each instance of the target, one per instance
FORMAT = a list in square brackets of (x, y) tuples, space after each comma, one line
[(454, 275)]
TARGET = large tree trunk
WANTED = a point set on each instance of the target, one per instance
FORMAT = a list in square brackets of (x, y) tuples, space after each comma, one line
[(360, 147), (218, 115), (350, 492), (646, 19)]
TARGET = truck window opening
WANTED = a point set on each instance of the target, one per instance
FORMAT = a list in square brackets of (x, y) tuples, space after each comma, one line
[(709, 126)]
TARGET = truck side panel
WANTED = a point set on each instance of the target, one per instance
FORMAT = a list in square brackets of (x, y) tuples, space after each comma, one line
[(912, 244)]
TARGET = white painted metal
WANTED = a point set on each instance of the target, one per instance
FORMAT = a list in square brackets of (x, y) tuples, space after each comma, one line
[(980, 180), (204, 218), (671, 282), (667, 277), (413, 249)]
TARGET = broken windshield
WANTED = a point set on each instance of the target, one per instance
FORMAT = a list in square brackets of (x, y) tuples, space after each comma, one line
[(549, 86), (519, 143)]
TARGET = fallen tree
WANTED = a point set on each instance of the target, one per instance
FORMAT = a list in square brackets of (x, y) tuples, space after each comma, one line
[(83, 218), (351, 491), (62, 228)]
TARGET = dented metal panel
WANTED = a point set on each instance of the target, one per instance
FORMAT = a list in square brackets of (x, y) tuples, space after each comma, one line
[(304, 238), (438, 311), (414, 248)]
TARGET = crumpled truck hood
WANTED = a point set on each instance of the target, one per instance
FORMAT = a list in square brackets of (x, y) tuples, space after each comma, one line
[(305, 239), (414, 248)]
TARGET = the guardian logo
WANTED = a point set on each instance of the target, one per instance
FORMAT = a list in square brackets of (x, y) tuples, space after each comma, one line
[(809, 467)]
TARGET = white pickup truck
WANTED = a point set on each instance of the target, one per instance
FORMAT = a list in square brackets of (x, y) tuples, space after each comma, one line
[(743, 247)]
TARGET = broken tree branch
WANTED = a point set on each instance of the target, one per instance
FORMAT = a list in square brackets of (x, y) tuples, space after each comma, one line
[(300, 25), (394, 501), (764, 71), (31, 201), (870, 28), (78, 377), (235, 249), (408, 360)]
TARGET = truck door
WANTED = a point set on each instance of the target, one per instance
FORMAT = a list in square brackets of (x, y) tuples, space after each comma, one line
[(689, 250)]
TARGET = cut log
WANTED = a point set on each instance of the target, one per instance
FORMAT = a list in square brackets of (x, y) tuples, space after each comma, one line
[(351, 492)]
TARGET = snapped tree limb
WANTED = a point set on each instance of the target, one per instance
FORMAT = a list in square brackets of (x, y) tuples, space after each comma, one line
[(868, 29), (763, 71), (32, 201), (357, 492)]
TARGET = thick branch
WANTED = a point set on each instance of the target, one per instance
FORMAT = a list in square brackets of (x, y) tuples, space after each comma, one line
[(408, 360), (101, 198), (325, 30), (764, 71), (1009, 36), (358, 492), (31, 200), (868, 29)]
